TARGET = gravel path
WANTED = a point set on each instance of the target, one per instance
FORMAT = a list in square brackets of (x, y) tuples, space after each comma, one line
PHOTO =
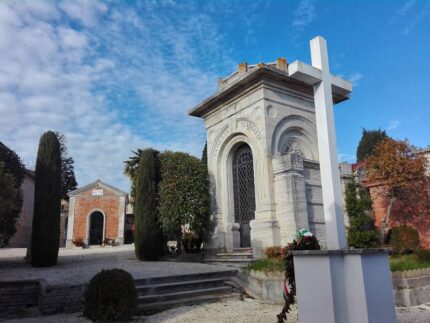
[(248, 310), (76, 266)]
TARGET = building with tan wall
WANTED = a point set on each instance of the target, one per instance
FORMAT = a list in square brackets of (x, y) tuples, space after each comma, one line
[(97, 214), (22, 237)]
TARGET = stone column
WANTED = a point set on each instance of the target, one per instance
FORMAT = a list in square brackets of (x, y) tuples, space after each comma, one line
[(70, 222), (121, 220), (290, 194)]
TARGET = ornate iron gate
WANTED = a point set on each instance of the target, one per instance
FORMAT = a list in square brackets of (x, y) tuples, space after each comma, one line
[(244, 192)]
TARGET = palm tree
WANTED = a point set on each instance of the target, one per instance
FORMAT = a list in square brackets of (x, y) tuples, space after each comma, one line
[(130, 169)]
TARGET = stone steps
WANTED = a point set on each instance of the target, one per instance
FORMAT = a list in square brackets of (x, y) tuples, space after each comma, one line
[(239, 257), (235, 255), (159, 293)]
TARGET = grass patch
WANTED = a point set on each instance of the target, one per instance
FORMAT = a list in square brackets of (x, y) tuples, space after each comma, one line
[(267, 264), (407, 262)]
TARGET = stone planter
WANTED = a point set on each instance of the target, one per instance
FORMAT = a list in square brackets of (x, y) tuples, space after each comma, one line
[(411, 287), (267, 285)]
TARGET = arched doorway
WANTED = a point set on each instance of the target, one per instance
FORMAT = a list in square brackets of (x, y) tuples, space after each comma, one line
[(96, 228), (244, 192)]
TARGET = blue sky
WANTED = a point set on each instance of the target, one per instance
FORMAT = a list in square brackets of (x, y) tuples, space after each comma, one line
[(115, 76)]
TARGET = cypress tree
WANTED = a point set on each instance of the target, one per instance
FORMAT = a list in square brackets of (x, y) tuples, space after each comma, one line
[(368, 142), (361, 232), (45, 239), (205, 155), (147, 233)]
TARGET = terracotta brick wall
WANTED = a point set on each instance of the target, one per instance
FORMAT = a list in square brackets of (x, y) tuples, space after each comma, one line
[(380, 206), (108, 204)]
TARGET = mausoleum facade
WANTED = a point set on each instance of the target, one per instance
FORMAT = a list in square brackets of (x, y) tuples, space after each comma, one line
[(262, 159), (97, 214)]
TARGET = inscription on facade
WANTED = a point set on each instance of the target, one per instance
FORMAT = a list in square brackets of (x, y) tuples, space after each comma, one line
[(97, 192), (224, 134), (248, 125)]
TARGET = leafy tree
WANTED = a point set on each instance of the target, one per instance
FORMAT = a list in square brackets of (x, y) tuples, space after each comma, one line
[(147, 233), (130, 170), (47, 202), (12, 163), (368, 142), (184, 193), (10, 204), (68, 180), (11, 177), (402, 171), (361, 231)]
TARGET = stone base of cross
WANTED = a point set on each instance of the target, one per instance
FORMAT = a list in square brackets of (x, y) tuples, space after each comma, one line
[(337, 285)]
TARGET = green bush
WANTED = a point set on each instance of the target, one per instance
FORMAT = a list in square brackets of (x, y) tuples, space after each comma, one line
[(403, 239), (183, 194), (11, 177), (423, 254), (111, 296), (361, 232), (10, 205)]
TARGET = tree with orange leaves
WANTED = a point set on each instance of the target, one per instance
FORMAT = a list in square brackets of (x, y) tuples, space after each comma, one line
[(398, 166)]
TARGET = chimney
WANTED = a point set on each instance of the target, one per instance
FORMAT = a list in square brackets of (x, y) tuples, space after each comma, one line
[(243, 68), (281, 63)]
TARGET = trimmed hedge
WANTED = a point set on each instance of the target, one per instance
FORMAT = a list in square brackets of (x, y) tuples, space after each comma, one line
[(111, 296)]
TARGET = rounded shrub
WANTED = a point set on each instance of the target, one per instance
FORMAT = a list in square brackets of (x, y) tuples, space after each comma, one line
[(111, 296), (403, 239)]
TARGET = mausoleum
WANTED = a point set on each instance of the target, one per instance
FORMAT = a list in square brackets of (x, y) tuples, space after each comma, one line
[(97, 214), (262, 158)]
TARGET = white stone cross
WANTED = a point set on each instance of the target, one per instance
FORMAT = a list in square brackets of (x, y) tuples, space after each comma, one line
[(325, 86)]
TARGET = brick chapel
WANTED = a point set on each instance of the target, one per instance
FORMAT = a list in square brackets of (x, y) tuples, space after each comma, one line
[(98, 215)]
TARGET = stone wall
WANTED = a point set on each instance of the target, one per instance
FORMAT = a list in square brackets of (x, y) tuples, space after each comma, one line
[(19, 298), (29, 298), (411, 287)]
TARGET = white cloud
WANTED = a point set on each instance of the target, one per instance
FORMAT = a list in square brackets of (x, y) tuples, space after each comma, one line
[(304, 14), (406, 7), (422, 15), (393, 125), (85, 11), (355, 78), (80, 80)]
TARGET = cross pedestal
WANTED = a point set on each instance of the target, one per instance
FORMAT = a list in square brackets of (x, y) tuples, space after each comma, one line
[(337, 285)]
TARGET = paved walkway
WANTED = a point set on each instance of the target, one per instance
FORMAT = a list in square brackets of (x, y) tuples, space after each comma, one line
[(76, 266)]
